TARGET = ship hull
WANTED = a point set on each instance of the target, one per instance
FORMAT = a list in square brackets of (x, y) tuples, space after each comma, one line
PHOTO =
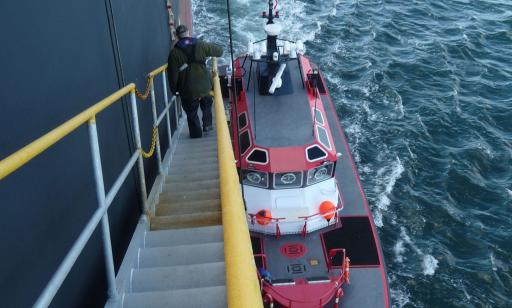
[(301, 264)]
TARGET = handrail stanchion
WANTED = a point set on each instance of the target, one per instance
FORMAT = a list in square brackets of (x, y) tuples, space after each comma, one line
[(167, 115), (155, 124), (142, 180), (177, 106), (242, 283), (100, 193)]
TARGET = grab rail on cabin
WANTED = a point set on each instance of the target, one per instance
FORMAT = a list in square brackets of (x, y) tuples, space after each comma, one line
[(25, 154), (242, 284)]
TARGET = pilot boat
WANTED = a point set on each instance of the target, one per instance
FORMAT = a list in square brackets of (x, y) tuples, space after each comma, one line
[(312, 233)]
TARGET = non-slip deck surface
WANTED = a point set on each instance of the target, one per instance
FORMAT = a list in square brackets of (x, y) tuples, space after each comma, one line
[(280, 120)]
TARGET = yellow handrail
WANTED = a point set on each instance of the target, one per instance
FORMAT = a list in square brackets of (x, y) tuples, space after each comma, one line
[(241, 280), (157, 71), (14, 161)]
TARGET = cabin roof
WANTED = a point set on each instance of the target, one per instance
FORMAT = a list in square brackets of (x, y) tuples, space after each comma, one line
[(282, 119)]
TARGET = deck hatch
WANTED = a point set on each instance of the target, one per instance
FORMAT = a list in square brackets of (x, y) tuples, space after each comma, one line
[(356, 236), (296, 268)]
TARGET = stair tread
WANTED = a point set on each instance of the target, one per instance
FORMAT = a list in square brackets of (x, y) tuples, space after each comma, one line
[(176, 237), (186, 220), (204, 184), (194, 168), (181, 255), (214, 297), (190, 195), (178, 277), (192, 176), (182, 154), (171, 208)]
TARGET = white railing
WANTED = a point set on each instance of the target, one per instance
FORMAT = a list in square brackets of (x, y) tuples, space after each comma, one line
[(21, 157)]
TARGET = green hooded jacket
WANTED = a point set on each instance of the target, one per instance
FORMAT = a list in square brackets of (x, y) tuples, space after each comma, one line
[(194, 79)]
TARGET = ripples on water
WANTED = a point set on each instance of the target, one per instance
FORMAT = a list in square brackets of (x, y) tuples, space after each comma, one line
[(424, 92)]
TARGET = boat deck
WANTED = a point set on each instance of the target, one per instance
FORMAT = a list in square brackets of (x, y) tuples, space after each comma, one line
[(282, 119), (356, 233)]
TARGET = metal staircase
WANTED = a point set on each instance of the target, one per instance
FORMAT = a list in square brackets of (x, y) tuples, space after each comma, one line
[(178, 268), (181, 259), (190, 196), (176, 257)]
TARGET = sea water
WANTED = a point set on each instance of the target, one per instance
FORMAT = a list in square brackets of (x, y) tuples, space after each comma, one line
[(423, 90)]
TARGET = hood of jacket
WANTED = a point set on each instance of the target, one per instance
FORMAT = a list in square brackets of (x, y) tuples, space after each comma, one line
[(186, 41)]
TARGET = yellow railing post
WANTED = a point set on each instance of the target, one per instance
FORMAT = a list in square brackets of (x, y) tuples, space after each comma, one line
[(242, 284), (21, 157)]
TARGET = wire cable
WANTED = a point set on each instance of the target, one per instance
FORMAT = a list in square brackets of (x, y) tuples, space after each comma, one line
[(235, 99)]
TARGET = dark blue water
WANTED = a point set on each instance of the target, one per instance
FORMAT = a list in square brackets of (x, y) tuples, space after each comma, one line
[(424, 92)]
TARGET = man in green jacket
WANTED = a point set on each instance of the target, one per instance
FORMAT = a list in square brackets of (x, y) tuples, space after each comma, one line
[(189, 77)]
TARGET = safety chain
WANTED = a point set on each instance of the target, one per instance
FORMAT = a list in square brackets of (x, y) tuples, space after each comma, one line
[(153, 145), (146, 92)]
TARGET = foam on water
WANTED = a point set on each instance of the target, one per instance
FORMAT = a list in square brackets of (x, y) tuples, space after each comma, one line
[(388, 176), (429, 265), (399, 250), (400, 297), (421, 89)]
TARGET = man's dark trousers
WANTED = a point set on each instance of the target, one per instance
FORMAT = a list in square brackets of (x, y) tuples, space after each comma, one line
[(191, 105)]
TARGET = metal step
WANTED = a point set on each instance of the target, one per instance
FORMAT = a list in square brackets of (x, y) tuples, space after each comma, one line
[(190, 195), (186, 220), (178, 277), (185, 136), (194, 167), (184, 186), (181, 255), (178, 237), (180, 155), (191, 143), (193, 176), (194, 163), (208, 145), (185, 139), (213, 297), (189, 207)]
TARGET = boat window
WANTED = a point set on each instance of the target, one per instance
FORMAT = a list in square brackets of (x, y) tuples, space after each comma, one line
[(242, 120), (322, 137), (319, 117), (245, 141), (314, 153), (258, 156), (287, 180)]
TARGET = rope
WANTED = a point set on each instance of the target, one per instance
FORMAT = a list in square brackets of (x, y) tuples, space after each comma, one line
[(153, 145), (144, 96)]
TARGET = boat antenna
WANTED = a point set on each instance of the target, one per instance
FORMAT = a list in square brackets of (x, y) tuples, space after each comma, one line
[(234, 99), (254, 105), (315, 88)]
